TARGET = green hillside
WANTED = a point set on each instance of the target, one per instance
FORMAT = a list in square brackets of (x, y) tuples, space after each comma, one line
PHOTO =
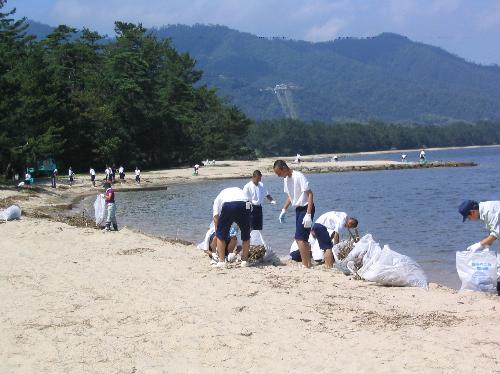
[(387, 77)]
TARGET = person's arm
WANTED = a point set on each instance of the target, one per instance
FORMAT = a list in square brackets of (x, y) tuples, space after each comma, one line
[(216, 221), (486, 242), (310, 201), (335, 237), (287, 203)]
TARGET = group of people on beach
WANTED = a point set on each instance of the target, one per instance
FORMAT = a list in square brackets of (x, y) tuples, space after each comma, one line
[(243, 207)]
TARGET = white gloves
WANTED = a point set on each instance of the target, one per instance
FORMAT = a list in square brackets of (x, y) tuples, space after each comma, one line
[(475, 247), (282, 215), (231, 257), (272, 202), (307, 221), (101, 195)]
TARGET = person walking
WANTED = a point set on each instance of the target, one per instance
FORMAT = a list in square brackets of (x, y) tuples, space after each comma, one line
[(489, 213), (300, 195), (92, 176)]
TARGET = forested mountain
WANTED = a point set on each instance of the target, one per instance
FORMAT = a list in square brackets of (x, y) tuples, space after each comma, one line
[(387, 77)]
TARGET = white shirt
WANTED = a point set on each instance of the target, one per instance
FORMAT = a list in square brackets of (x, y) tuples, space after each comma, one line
[(333, 220), (255, 193), (137, 172), (227, 195), (296, 187), (489, 212), (92, 172), (422, 154), (70, 172), (120, 169), (107, 171)]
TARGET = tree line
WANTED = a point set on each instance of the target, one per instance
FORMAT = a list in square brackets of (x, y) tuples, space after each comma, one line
[(132, 100), (289, 137)]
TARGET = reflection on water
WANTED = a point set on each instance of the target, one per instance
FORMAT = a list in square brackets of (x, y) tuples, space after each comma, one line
[(414, 211)]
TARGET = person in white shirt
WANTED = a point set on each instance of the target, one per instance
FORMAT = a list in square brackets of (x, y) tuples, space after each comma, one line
[(231, 206), (71, 176), (196, 168), (137, 175), (336, 221), (403, 157), (121, 172), (422, 156), (255, 193), (489, 213), (92, 176), (300, 196)]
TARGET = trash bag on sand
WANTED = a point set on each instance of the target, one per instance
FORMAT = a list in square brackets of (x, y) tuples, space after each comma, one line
[(390, 268), (99, 210), (477, 270), (12, 212)]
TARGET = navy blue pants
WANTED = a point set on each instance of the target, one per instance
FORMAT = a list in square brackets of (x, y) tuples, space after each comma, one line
[(234, 211), (302, 233), (256, 219)]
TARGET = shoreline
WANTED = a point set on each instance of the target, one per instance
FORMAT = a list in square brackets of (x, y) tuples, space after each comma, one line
[(75, 299)]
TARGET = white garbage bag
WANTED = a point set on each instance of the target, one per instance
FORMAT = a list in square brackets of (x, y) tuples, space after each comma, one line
[(99, 210), (477, 270), (12, 212), (390, 268)]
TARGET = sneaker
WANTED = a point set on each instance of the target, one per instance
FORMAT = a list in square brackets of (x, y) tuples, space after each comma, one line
[(245, 264), (220, 265), (105, 229)]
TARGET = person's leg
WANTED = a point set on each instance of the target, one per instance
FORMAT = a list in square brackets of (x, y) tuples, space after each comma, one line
[(242, 219), (108, 217), (223, 227), (305, 252), (329, 258), (245, 249)]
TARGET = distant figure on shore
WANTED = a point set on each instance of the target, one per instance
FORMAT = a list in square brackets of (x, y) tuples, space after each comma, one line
[(403, 157), (489, 213), (255, 193), (336, 221), (53, 177), (109, 197), (196, 168), (92, 176), (121, 173), (71, 176), (231, 206), (301, 197), (106, 174), (137, 175), (297, 159), (28, 179), (335, 158), (422, 157)]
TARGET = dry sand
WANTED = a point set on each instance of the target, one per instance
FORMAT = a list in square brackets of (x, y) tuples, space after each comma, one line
[(76, 300)]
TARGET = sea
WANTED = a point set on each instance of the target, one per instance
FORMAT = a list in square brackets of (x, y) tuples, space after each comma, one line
[(413, 211)]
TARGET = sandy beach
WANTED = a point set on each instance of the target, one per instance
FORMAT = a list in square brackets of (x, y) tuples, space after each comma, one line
[(75, 299)]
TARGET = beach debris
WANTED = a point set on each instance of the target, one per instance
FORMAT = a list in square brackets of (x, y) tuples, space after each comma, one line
[(134, 251), (11, 213), (257, 252)]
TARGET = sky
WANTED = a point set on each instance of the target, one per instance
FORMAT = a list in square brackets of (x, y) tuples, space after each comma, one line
[(467, 28)]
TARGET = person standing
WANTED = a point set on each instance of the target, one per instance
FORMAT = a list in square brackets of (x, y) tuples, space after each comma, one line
[(255, 193), (53, 178), (137, 175), (422, 157), (336, 221), (196, 168), (121, 173), (489, 213), (403, 157), (92, 176), (296, 186), (231, 206), (109, 197), (71, 176)]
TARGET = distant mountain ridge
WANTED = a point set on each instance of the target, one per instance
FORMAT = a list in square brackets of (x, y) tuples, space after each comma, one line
[(387, 77)]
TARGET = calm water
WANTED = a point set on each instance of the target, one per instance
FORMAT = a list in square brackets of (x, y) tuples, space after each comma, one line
[(414, 211)]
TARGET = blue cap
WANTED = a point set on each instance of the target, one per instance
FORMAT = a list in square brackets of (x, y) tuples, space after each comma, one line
[(465, 208)]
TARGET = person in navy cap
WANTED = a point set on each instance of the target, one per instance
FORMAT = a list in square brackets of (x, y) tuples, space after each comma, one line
[(489, 213)]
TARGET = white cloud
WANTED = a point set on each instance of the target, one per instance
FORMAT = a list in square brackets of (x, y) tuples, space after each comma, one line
[(327, 31)]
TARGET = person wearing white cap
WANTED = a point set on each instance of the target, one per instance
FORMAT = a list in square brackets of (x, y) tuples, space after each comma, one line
[(489, 213)]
